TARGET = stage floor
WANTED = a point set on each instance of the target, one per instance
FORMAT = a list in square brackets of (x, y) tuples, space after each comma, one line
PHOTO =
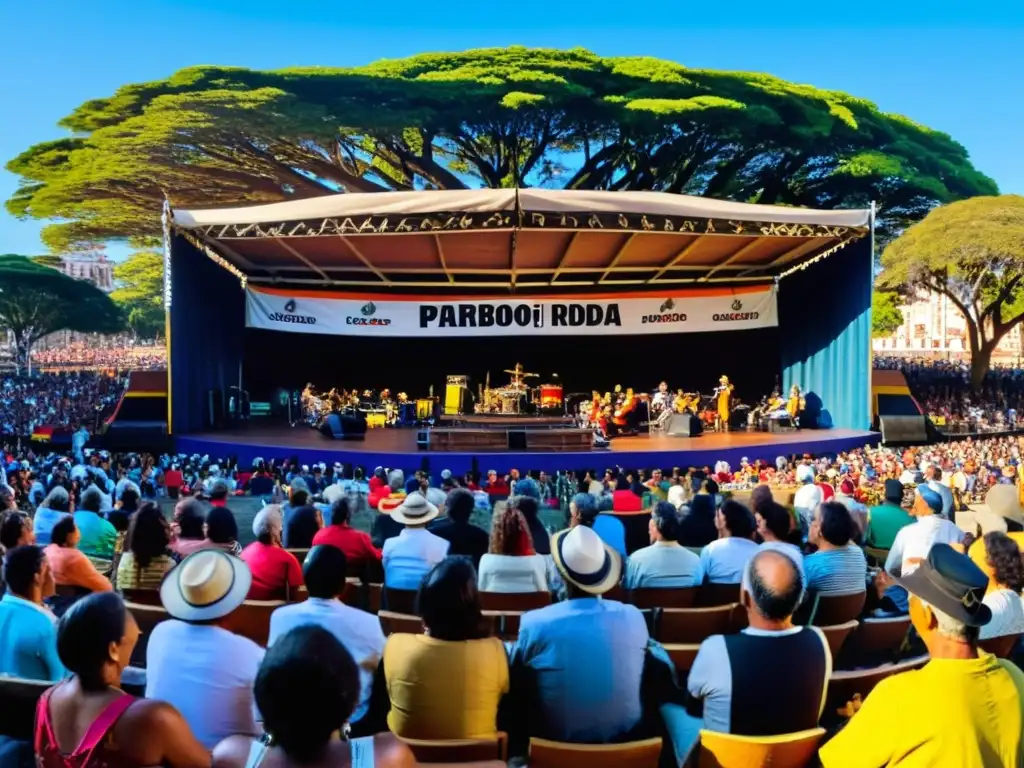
[(397, 448)]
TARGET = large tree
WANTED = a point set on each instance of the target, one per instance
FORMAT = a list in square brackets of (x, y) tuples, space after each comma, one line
[(886, 316), (971, 251), (493, 118), (36, 300), (139, 292)]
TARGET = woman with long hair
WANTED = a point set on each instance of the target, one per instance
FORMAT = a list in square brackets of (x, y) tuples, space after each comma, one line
[(146, 558), (511, 564)]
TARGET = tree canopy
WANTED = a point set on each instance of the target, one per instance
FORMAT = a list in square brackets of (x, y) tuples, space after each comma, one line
[(971, 251), (140, 292), (494, 118), (885, 313), (36, 300)]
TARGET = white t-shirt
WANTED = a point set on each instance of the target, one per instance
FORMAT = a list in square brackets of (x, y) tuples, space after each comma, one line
[(916, 540), (1007, 614), (806, 500), (508, 573), (357, 630), (723, 560), (207, 673)]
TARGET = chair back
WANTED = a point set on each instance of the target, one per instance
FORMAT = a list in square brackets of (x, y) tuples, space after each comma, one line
[(374, 597), (844, 684), (717, 594), (555, 754), (830, 610), (1000, 647), (147, 617), (459, 750), (400, 600), (252, 619), (725, 750), (617, 593), (504, 624), (514, 601), (876, 556), (300, 554), (880, 636), (391, 622), (694, 625), (836, 636), (142, 596), (667, 597), (18, 699), (683, 656)]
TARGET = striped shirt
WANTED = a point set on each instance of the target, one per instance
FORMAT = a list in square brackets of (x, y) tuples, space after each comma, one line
[(837, 571)]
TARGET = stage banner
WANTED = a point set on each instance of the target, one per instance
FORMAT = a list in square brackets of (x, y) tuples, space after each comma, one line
[(698, 310)]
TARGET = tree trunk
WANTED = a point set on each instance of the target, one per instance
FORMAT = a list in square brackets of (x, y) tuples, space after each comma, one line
[(981, 358), (22, 352)]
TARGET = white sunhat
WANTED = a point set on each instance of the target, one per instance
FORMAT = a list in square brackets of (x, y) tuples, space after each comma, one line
[(415, 510), (208, 584), (586, 561)]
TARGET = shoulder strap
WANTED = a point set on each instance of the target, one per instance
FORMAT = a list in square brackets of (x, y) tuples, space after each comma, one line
[(362, 752), (101, 725), (44, 728), (257, 749)]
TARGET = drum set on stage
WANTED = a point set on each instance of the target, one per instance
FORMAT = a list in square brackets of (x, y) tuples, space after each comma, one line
[(518, 397)]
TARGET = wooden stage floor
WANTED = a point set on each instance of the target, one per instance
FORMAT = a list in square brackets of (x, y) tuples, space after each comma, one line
[(397, 447)]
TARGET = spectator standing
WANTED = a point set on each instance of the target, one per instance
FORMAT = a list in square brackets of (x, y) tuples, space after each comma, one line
[(146, 558), (275, 571), (839, 566), (462, 536), (28, 629), (192, 660), (511, 565), (665, 563), (724, 559), (70, 567), (410, 555)]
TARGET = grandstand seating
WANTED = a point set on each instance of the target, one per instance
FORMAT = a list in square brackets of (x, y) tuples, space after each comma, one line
[(724, 750)]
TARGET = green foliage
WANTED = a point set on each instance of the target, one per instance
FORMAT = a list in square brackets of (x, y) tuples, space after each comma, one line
[(212, 135), (973, 252), (885, 313), (36, 300), (139, 292)]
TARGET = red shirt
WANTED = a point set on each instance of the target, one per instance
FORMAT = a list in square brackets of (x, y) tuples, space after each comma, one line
[(498, 488), (355, 544), (271, 568), (626, 501), (173, 478)]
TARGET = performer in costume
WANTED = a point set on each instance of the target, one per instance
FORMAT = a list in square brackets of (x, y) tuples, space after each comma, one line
[(621, 417), (662, 398), (596, 409), (796, 404), (724, 400)]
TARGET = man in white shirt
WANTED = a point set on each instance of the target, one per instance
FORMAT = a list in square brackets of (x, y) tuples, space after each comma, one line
[(410, 555), (358, 631), (933, 479), (807, 497), (723, 560), (913, 542), (192, 661)]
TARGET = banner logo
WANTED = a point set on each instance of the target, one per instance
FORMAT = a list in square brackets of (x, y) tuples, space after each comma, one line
[(289, 316), (367, 311), (735, 315)]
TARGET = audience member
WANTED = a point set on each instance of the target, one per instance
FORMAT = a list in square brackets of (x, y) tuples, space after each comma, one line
[(839, 566), (193, 661), (528, 506), (16, 530), (583, 510), (88, 720), (190, 518), (28, 630), (511, 565), (913, 542), (775, 526), (1005, 570), (888, 518), (145, 560), (355, 544), (410, 555), (70, 567), (275, 571), (56, 506), (623, 497), (302, 526), (358, 631), (724, 559), (697, 523), (98, 535), (428, 700), (222, 531), (308, 688), (463, 537), (665, 563)]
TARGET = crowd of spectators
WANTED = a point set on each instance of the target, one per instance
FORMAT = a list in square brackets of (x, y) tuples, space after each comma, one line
[(59, 400), (115, 353), (586, 665)]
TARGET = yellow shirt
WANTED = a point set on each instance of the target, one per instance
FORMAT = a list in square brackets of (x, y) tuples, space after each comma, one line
[(130, 575), (442, 689), (962, 714)]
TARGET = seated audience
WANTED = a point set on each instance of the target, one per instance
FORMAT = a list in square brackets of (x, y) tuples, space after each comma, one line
[(463, 537), (775, 525), (190, 518), (360, 632), (527, 501), (410, 555), (388, 498), (913, 542), (429, 700), (1003, 566), (665, 563), (511, 565), (145, 559), (970, 702), (88, 720), (219, 492), (724, 559), (302, 526), (98, 535), (560, 647), (736, 681), (275, 570), (16, 531), (70, 567), (623, 498), (192, 660), (222, 531), (126, 506), (307, 689), (28, 630), (496, 486), (839, 566), (808, 496), (697, 523), (583, 510), (56, 506), (355, 544), (886, 519)]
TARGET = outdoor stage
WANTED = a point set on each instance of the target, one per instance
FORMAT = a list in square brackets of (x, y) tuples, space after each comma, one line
[(397, 448)]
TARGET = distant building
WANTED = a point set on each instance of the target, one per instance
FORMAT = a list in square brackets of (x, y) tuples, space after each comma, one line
[(934, 327), (96, 268)]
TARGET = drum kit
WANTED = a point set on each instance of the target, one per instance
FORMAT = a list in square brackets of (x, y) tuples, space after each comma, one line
[(517, 396)]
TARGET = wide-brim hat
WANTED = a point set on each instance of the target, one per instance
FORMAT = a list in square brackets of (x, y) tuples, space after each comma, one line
[(415, 510), (585, 561), (208, 584), (952, 583)]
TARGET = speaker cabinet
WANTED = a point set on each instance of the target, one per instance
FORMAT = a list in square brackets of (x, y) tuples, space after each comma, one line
[(684, 425), (344, 427)]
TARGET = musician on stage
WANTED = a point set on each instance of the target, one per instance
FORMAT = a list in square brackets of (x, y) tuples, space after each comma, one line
[(662, 398), (723, 397), (620, 419), (795, 404)]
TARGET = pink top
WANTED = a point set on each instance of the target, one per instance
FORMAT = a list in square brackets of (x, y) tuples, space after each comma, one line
[(71, 566), (94, 751)]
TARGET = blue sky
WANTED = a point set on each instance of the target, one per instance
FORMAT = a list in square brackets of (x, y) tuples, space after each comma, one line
[(956, 67)]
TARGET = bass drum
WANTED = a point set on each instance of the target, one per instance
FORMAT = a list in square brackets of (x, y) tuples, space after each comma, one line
[(550, 395)]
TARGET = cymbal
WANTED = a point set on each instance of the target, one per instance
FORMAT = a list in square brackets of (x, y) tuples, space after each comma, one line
[(522, 374)]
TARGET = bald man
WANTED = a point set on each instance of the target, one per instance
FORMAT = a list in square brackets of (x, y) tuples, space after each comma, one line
[(770, 678)]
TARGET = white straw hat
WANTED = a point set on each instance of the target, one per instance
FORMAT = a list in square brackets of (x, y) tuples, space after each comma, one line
[(586, 561), (415, 510), (208, 584)]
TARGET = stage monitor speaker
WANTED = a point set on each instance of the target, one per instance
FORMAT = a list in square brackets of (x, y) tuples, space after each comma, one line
[(344, 427), (903, 429), (517, 439), (683, 425)]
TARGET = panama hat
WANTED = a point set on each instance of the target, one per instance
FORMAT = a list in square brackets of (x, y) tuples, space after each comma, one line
[(208, 584), (585, 561), (415, 510)]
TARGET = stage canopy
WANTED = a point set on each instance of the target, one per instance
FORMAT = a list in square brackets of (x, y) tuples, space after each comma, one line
[(535, 240)]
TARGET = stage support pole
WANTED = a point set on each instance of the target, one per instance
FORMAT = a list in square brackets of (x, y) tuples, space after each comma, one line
[(871, 354)]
